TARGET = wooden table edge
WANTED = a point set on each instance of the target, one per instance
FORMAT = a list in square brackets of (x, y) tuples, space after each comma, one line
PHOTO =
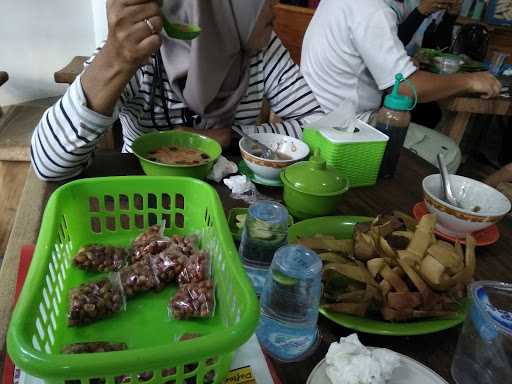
[(24, 231)]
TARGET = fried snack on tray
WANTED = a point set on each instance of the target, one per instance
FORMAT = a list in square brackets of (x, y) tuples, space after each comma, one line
[(396, 267)]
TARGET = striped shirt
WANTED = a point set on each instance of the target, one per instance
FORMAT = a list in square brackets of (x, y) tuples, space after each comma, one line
[(64, 140)]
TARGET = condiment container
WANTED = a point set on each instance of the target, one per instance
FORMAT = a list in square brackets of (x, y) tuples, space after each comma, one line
[(393, 120), (312, 188)]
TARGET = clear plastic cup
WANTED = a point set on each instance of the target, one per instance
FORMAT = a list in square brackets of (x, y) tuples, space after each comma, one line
[(497, 61), (484, 349), (289, 304), (265, 231)]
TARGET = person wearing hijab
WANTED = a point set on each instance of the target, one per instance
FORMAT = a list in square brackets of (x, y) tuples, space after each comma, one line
[(151, 82)]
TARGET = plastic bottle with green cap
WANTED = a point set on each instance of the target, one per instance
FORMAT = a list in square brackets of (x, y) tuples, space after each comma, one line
[(393, 120)]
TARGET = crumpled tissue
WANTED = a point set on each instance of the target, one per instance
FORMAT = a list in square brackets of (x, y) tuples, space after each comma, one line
[(222, 168)]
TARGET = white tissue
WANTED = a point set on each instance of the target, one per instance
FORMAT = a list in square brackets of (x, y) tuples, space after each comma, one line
[(507, 72), (222, 168), (350, 362), (239, 184)]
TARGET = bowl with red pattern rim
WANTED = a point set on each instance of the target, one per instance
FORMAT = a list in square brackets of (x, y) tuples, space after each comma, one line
[(482, 205)]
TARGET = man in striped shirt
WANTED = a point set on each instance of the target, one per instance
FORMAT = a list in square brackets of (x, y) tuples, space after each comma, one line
[(130, 78)]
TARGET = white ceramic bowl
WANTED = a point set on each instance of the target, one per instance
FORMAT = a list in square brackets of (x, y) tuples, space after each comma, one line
[(482, 205), (270, 169)]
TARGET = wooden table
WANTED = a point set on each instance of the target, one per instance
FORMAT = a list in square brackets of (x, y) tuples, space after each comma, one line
[(402, 192), (462, 108)]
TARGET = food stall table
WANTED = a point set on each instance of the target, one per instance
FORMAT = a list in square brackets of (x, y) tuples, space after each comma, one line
[(462, 108), (400, 193)]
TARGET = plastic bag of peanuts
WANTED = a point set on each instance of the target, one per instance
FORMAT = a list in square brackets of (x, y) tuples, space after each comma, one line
[(100, 258), (193, 300), (95, 300)]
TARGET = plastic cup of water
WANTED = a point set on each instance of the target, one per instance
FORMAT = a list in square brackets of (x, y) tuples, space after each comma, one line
[(484, 349), (289, 304), (265, 231)]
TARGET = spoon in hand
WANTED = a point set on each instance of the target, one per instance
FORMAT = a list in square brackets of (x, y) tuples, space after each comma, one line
[(266, 152)]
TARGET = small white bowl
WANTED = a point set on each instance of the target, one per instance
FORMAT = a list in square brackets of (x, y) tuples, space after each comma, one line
[(482, 205), (270, 169)]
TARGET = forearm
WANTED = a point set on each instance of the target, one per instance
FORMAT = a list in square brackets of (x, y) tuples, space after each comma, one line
[(64, 140), (104, 81), (432, 87)]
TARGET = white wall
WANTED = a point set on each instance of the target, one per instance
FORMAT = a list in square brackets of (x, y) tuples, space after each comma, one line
[(39, 38)]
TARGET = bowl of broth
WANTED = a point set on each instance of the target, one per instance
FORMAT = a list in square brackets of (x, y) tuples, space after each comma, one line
[(176, 153), (289, 150)]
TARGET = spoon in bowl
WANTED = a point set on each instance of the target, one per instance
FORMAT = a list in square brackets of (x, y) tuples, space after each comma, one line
[(445, 179), (266, 152)]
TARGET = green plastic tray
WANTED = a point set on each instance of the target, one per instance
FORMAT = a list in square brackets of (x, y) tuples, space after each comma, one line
[(342, 228), (114, 210)]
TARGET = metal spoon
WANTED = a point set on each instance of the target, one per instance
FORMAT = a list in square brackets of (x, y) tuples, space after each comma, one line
[(266, 152), (445, 178)]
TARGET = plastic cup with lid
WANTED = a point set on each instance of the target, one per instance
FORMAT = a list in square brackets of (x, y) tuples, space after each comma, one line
[(484, 349)]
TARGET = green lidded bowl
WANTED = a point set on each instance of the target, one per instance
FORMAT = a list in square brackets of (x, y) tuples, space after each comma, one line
[(143, 145), (312, 188)]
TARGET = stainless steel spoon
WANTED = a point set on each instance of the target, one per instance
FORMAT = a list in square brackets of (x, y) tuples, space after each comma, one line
[(266, 152), (445, 178)]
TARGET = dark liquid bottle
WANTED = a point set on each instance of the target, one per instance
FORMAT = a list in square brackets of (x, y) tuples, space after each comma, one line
[(393, 120)]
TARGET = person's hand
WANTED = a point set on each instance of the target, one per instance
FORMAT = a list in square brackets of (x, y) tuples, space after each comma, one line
[(428, 7), (455, 8), (484, 84), (133, 31)]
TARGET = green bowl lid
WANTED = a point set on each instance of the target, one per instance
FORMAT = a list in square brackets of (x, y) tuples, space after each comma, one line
[(315, 177)]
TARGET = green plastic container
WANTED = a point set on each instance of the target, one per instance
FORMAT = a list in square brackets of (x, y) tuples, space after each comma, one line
[(114, 210), (147, 143), (357, 155)]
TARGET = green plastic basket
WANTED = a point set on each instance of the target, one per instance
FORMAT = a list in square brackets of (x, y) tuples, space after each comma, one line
[(358, 161), (114, 210)]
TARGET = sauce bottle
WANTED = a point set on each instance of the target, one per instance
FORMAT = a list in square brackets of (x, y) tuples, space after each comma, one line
[(393, 120)]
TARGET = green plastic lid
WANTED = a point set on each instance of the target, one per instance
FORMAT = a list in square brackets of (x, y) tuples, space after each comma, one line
[(398, 102), (315, 177)]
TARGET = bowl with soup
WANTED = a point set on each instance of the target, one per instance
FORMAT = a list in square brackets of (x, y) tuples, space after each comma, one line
[(289, 150), (176, 153)]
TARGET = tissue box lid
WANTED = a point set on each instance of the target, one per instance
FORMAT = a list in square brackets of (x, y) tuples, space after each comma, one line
[(364, 133)]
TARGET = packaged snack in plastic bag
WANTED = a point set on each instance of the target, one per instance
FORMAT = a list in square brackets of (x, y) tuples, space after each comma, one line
[(186, 244), (100, 258), (93, 347), (197, 268), (96, 300), (168, 264), (194, 300), (149, 242), (138, 277)]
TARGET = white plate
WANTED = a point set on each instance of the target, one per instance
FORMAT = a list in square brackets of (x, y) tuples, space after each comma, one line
[(409, 372)]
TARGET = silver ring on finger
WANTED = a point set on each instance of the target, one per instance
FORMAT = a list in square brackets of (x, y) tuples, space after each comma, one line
[(150, 26)]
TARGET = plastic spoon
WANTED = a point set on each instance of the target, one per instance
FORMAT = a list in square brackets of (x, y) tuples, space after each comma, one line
[(181, 31), (445, 178)]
